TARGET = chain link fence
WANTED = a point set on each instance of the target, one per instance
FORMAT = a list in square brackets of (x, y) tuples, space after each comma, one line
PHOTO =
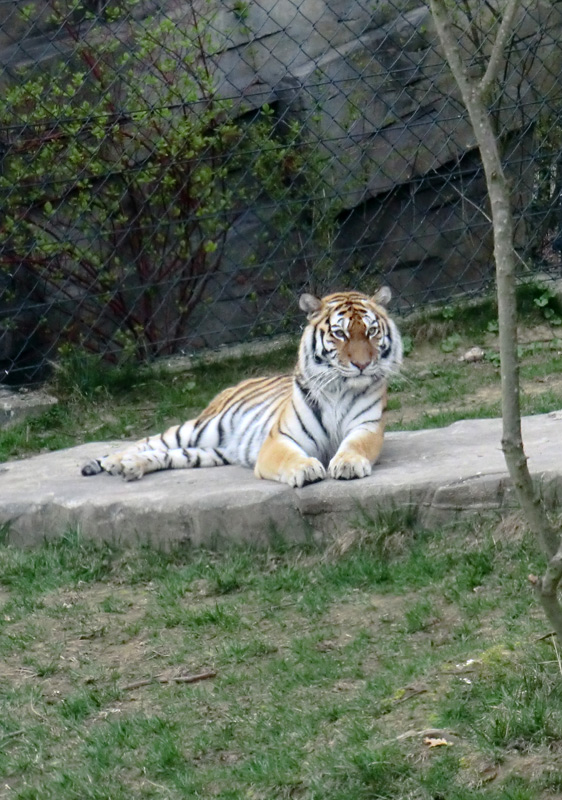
[(173, 173)]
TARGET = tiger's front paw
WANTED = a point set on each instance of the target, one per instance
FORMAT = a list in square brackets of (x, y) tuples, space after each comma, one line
[(309, 470), (345, 467)]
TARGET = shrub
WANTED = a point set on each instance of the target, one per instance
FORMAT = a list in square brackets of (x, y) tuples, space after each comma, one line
[(124, 173)]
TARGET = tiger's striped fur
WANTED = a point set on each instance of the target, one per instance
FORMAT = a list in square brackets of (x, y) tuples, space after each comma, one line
[(326, 418)]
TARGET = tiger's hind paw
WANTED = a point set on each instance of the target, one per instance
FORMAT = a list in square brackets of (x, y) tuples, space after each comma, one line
[(93, 467), (346, 467), (112, 464), (133, 467), (109, 464)]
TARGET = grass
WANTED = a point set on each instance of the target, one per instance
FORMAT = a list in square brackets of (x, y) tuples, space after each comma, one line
[(396, 662), (336, 669)]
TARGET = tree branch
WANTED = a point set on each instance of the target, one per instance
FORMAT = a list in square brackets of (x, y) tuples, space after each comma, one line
[(450, 46), (498, 48)]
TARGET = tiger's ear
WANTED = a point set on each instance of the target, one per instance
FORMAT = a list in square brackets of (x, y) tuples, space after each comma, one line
[(309, 304), (382, 296)]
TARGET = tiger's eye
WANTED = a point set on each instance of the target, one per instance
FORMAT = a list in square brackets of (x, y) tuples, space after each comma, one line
[(338, 333)]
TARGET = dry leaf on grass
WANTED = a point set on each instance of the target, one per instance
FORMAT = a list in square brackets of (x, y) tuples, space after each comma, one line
[(430, 742)]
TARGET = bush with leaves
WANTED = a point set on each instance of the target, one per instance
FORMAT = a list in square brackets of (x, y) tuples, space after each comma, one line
[(123, 174)]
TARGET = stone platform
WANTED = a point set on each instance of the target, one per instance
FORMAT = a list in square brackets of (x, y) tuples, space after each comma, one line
[(443, 472)]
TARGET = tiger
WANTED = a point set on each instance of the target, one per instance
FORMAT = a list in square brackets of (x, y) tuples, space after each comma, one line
[(324, 419)]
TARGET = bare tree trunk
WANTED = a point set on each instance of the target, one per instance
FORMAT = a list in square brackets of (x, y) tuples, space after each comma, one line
[(475, 94)]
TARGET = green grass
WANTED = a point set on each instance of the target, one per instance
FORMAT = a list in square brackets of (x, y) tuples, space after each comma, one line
[(332, 664)]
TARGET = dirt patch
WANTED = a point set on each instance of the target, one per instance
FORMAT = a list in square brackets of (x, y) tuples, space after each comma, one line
[(369, 611), (511, 528)]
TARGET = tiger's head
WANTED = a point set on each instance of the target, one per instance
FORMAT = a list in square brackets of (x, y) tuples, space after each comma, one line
[(350, 335)]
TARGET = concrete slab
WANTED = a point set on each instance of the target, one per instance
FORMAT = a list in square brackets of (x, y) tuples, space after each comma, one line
[(18, 405), (443, 472)]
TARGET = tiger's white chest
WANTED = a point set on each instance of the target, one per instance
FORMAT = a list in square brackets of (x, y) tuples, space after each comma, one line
[(345, 407), (333, 417)]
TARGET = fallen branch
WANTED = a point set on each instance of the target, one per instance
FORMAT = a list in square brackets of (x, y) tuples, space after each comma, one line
[(203, 676), (412, 734), (408, 694)]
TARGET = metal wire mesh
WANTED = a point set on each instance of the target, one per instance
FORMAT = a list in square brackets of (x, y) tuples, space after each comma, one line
[(174, 172)]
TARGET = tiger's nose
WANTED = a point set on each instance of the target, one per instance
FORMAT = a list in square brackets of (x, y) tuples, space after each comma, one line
[(361, 365)]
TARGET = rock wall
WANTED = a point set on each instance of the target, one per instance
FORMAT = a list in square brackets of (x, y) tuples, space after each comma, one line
[(370, 84)]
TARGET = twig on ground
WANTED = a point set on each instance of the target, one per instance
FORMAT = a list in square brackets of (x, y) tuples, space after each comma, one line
[(203, 676), (411, 734), (545, 636), (408, 694), (8, 736), (557, 654)]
